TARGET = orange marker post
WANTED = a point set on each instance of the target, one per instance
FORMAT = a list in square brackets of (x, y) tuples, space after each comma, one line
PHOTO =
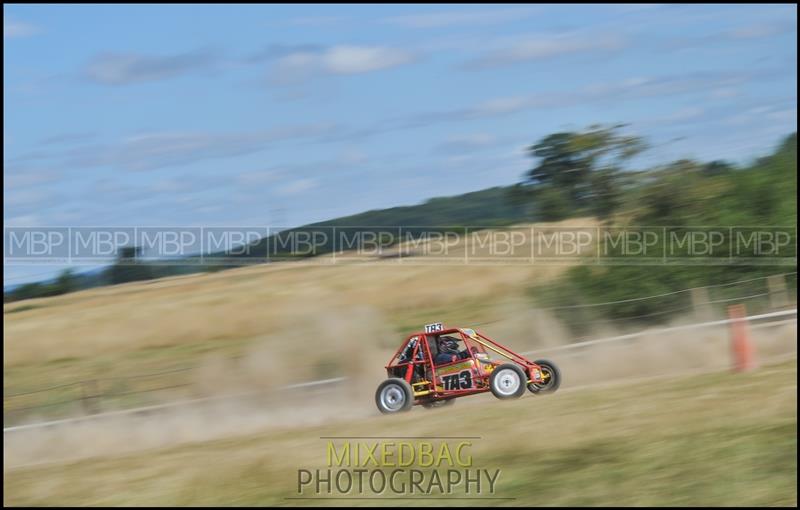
[(744, 355)]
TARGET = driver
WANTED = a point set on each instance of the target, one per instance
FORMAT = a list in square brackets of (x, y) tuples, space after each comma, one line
[(448, 351)]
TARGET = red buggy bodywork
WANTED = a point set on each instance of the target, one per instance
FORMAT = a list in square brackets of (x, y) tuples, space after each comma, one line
[(414, 363)]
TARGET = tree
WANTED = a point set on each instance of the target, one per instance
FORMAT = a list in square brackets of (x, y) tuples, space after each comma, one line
[(605, 194), (127, 267), (560, 164), (684, 197), (65, 282), (27, 291), (582, 166), (552, 204), (717, 167)]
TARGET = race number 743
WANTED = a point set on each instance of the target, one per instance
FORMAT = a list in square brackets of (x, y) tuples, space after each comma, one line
[(432, 328), (459, 381)]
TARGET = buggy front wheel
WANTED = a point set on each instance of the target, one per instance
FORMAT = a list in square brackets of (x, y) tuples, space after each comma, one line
[(507, 381), (394, 395)]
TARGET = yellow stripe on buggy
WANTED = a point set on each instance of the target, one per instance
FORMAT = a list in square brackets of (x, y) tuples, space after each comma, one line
[(458, 367)]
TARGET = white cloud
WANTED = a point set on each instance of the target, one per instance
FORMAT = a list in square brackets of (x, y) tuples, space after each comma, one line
[(15, 178), (465, 143), (363, 59), (13, 28), (25, 220), (26, 197), (623, 90), (150, 151), (724, 93), (67, 138), (684, 114), (788, 116), (753, 31), (337, 60), (760, 30), (547, 46), (501, 105), (756, 116), (129, 68)]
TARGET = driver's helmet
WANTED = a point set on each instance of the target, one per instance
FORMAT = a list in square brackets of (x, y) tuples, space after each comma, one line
[(448, 345)]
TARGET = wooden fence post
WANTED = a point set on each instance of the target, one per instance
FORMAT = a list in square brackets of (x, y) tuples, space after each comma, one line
[(778, 296), (700, 304)]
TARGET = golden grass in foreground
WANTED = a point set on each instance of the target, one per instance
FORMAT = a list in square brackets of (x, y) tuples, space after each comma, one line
[(715, 439)]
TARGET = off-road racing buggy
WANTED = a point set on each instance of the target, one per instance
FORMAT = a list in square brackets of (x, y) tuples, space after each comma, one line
[(434, 367)]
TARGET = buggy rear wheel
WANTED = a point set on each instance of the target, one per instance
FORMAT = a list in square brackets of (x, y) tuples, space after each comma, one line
[(550, 374), (394, 395), (507, 381)]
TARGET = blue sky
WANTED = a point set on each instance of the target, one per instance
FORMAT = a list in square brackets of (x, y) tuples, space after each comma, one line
[(286, 114)]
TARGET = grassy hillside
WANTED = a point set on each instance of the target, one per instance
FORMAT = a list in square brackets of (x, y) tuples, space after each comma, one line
[(491, 206), (485, 208)]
